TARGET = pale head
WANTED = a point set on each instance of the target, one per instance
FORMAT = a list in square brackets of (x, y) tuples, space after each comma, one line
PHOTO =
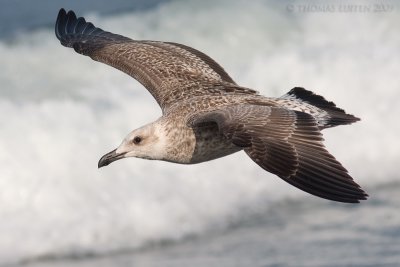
[(147, 142)]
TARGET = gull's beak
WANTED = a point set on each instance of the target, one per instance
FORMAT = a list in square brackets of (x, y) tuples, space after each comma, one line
[(110, 157)]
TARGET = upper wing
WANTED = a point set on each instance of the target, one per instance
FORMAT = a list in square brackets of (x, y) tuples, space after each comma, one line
[(169, 71), (288, 144)]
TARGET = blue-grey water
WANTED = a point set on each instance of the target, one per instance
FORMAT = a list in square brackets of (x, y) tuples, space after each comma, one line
[(60, 111)]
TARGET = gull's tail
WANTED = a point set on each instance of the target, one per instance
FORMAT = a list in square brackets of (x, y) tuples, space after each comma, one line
[(333, 116)]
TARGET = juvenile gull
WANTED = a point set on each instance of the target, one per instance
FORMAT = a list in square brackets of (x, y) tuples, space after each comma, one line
[(206, 115)]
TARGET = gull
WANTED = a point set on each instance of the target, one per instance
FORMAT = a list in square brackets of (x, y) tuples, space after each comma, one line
[(206, 115)]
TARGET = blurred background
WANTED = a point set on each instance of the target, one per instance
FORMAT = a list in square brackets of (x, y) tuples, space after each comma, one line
[(60, 112)]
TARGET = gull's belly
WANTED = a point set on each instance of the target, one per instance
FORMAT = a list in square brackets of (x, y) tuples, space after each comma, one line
[(210, 144)]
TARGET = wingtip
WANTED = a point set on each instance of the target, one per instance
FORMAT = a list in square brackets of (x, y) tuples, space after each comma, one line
[(65, 20), (71, 14), (363, 196), (356, 118), (62, 14)]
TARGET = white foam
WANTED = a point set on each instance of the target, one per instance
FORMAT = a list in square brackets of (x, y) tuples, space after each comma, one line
[(61, 111)]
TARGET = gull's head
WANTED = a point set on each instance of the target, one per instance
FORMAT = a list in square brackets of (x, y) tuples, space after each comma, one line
[(146, 142)]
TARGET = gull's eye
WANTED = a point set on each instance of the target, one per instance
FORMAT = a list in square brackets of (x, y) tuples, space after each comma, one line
[(137, 140)]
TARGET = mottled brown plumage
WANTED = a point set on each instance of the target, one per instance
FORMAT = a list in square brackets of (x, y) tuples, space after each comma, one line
[(206, 115)]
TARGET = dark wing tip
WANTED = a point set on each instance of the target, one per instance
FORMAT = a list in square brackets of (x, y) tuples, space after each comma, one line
[(66, 26), (60, 21), (326, 180), (81, 35)]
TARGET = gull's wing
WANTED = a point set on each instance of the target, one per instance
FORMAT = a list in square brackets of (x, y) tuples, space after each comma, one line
[(286, 143), (169, 71)]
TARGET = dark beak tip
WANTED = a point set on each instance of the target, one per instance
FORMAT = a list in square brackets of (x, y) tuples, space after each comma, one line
[(109, 158), (102, 162)]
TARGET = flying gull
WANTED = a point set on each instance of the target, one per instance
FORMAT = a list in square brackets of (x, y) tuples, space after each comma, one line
[(206, 115)]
